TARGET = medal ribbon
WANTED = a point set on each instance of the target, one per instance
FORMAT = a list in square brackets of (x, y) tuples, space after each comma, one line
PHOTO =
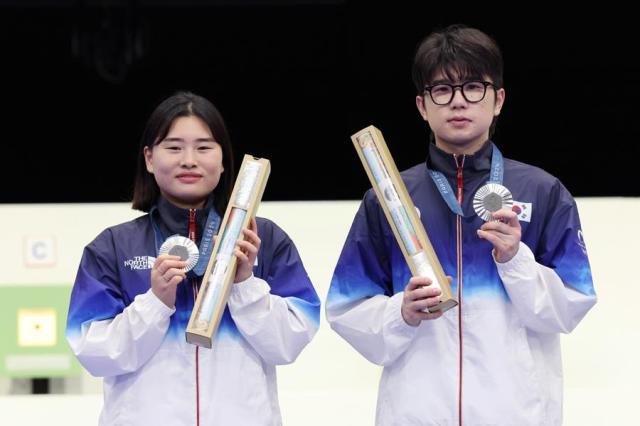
[(495, 176), (206, 243)]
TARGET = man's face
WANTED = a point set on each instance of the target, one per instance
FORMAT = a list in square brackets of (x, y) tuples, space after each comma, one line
[(461, 125)]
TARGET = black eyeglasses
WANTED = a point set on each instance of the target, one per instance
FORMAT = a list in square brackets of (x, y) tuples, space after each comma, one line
[(472, 91)]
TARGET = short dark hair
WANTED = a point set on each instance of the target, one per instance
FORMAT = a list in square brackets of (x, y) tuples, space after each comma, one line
[(458, 52), (182, 104)]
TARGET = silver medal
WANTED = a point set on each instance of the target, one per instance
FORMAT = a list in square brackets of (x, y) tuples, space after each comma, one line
[(490, 198), (177, 245)]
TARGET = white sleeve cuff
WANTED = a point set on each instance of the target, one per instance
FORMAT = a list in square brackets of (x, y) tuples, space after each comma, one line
[(249, 291), (522, 261), (393, 317), (150, 302)]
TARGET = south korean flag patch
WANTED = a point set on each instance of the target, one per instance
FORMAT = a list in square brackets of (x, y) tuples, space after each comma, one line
[(523, 210)]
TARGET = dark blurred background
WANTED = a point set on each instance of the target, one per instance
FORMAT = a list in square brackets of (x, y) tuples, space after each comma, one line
[(294, 79)]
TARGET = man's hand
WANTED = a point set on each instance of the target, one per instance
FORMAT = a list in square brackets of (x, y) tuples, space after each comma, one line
[(503, 233), (418, 295)]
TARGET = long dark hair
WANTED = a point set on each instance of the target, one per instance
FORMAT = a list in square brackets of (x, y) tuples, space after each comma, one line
[(182, 104)]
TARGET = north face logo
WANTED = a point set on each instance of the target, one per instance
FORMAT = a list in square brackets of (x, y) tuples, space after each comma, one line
[(140, 262)]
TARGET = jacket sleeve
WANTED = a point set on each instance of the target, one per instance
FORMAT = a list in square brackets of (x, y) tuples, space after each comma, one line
[(108, 337), (552, 289), (361, 306), (278, 313)]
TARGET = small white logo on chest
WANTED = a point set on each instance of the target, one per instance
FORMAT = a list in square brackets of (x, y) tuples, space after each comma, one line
[(140, 262)]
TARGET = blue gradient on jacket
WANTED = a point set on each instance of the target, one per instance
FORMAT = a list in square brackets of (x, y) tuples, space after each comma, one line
[(226, 328), (479, 279), (91, 299), (371, 262), (361, 271), (479, 273), (309, 309), (575, 271), (104, 286), (284, 271)]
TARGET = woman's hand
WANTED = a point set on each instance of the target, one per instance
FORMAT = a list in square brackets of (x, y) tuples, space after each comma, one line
[(166, 274), (246, 251)]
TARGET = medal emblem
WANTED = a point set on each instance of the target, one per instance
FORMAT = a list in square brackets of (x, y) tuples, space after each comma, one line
[(491, 198), (183, 247)]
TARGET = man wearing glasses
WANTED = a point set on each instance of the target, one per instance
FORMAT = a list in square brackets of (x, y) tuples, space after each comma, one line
[(507, 233)]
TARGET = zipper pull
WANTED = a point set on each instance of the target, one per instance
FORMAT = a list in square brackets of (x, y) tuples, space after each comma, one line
[(192, 225)]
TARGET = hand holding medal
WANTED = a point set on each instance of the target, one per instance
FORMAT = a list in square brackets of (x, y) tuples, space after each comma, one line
[(177, 245), (504, 233), (493, 203), (176, 257)]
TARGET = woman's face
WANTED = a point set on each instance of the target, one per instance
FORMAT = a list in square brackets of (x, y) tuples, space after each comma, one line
[(187, 163)]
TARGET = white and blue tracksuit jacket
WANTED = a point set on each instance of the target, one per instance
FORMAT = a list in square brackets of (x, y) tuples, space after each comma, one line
[(121, 331), (494, 359)]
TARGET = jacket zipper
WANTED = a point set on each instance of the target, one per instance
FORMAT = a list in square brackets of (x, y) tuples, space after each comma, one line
[(460, 164), (194, 286)]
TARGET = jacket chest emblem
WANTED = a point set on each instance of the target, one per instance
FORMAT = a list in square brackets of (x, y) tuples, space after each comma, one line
[(140, 262)]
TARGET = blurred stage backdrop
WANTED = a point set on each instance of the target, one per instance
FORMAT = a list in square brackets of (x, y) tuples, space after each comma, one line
[(294, 79)]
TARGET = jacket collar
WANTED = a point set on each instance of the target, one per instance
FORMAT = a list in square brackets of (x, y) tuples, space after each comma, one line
[(175, 220), (473, 164)]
